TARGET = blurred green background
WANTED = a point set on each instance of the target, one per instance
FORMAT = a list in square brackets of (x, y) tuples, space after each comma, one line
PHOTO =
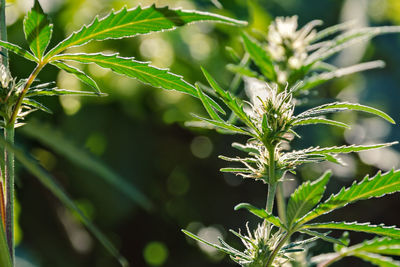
[(138, 131)]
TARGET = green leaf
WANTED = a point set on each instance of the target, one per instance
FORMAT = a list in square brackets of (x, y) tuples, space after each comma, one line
[(224, 125), (134, 69), (5, 259), (207, 105), (18, 50), (242, 70), (342, 106), (323, 236), (232, 102), (385, 245), (50, 183), (57, 92), (260, 57), (261, 213), (379, 185), (320, 120), (78, 73), (37, 105), (38, 30), (225, 250), (318, 79), (346, 149), (332, 30), (378, 260), (306, 197), (59, 143), (382, 230), (128, 23)]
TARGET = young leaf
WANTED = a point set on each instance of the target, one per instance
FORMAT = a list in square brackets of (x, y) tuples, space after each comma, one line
[(38, 30), (57, 92), (261, 213), (382, 230), (207, 105), (377, 259), (48, 181), (128, 23), (377, 186), (78, 73), (134, 69), (323, 236), (260, 57), (306, 197), (18, 50), (332, 30), (224, 125), (320, 120), (62, 145), (346, 149)]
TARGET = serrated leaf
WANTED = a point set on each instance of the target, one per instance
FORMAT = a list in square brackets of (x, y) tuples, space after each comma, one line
[(232, 102), (379, 185), (323, 236), (320, 120), (319, 79), (128, 23), (207, 105), (225, 250), (359, 107), (261, 213), (260, 57), (60, 144), (306, 196), (142, 71), (385, 245), (224, 125), (50, 183), (78, 73), (36, 104), (382, 230), (18, 50), (246, 148), (38, 30), (57, 92), (346, 149), (378, 260)]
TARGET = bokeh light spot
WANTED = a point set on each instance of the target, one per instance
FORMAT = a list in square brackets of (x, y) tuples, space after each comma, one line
[(155, 253), (201, 147)]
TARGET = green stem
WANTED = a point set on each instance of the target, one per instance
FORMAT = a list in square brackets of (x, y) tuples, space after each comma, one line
[(272, 183), (280, 199), (3, 33), (9, 186), (270, 198), (277, 248)]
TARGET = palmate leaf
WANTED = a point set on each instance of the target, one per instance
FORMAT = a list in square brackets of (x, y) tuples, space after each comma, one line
[(261, 213), (382, 230), (385, 245), (134, 69), (17, 50), (260, 57), (306, 197), (377, 186), (38, 30), (50, 183), (377, 259), (128, 23), (56, 141), (78, 73)]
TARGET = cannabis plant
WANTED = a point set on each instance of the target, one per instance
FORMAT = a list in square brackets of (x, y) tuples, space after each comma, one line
[(19, 97), (286, 63)]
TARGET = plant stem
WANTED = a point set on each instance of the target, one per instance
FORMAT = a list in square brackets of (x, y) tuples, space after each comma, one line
[(9, 185), (3, 33), (277, 248), (280, 199), (272, 183)]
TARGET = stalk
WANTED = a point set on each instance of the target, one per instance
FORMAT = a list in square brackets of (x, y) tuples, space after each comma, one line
[(272, 182), (9, 188), (277, 248), (280, 200), (3, 33)]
